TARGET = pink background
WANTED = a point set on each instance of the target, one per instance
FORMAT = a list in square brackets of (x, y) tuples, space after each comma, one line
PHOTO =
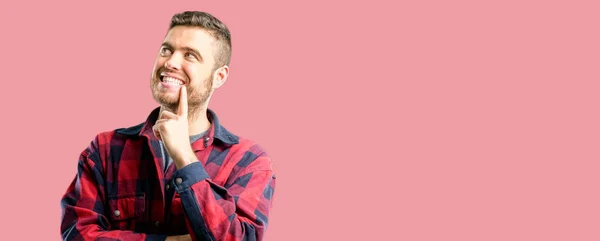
[(436, 120)]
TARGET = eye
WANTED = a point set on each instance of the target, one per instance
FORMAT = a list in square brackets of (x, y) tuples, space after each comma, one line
[(164, 51), (190, 55)]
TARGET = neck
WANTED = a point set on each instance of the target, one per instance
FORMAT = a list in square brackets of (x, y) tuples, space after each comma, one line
[(197, 119)]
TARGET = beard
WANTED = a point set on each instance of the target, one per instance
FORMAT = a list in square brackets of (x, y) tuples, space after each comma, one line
[(196, 97)]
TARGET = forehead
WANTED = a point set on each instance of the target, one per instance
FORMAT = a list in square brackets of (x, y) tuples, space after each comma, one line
[(192, 37)]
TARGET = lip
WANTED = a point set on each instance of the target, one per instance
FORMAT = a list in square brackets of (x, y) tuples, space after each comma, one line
[(165, 74)]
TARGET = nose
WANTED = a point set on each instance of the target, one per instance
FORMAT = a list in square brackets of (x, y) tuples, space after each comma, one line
[(173, 63)]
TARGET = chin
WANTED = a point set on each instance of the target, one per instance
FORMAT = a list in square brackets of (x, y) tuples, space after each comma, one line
[(164, 99)]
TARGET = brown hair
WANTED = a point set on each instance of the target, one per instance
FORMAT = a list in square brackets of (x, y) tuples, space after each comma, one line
[(214, 26)]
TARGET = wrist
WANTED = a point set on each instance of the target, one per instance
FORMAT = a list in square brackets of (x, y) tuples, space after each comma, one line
[(185, 159)]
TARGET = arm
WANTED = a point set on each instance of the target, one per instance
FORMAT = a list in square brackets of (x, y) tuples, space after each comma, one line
[(83, 216), (239, 211)]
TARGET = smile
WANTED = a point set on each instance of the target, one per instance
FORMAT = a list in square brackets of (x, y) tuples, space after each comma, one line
[(171, 80)]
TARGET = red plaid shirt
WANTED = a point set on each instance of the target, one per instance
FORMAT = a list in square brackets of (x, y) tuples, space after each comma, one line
[(122, 193)]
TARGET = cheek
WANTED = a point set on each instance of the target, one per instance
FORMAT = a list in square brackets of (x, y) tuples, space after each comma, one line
[(157, 64), (196, 74)]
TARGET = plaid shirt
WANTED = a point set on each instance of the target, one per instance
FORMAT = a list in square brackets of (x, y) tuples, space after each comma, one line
[(121, 191)]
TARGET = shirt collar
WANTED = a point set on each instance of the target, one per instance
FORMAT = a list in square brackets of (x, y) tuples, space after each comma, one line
[(216, 131)]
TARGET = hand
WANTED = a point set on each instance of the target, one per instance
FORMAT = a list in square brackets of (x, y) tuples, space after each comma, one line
[(185, 237), (172, 129)]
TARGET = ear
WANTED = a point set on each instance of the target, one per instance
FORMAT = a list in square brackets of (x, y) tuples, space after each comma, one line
[(220, 76)]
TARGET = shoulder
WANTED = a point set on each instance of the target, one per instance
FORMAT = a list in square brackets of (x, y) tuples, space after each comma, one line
[(101, 143), (251, 155), (119, 134), (128, 131), (246, 153), (251, 147)]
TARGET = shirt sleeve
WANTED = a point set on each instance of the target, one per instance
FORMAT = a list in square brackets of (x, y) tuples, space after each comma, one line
[(237, 211), (83, 216)]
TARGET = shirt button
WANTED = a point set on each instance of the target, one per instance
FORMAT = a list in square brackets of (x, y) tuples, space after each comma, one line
[(178, 180), (117, 213), (157, 224), (168, 187)]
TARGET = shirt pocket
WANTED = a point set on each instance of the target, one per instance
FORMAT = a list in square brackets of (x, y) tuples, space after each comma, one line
[(129, 206)]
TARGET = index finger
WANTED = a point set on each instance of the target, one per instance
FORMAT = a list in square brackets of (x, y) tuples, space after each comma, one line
[(182, 110)]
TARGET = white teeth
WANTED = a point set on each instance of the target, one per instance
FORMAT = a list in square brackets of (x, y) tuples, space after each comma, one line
[(172, 80)]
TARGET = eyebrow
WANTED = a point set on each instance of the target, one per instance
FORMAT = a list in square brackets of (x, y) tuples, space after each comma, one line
[(186, 48)]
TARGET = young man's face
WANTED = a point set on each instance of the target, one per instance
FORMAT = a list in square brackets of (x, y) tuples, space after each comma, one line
[(186, 57)]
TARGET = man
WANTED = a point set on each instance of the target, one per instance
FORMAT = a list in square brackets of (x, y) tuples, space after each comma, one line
[(179, 175)]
